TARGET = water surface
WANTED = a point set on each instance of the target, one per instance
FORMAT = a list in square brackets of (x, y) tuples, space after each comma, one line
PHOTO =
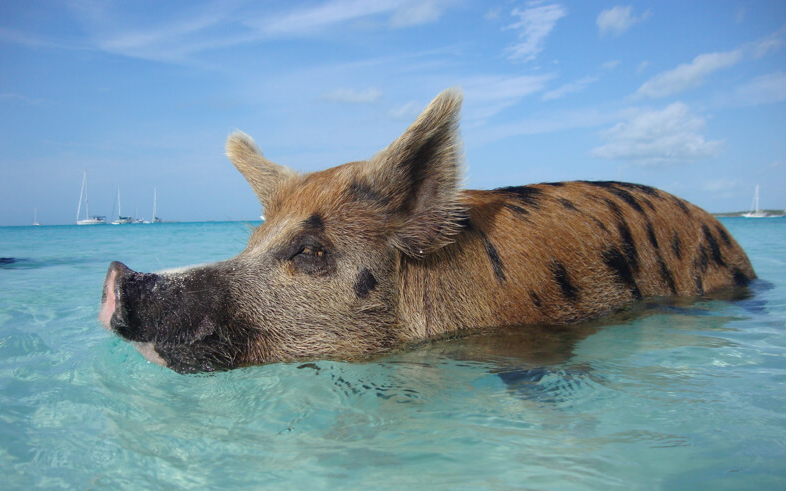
[(669, 395)]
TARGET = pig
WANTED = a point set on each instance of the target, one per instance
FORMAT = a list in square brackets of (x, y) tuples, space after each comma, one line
[(358, 259)]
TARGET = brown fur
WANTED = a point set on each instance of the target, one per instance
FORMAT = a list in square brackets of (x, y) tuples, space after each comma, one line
[(359, 258)]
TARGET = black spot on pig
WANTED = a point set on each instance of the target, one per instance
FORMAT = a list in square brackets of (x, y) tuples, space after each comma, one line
[(365, 283), (567, 287), (615, 260)]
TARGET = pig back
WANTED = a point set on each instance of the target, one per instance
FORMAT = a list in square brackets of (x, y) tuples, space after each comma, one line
[(558, 253)]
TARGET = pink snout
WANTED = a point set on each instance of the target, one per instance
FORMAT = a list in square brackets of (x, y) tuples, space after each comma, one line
[(108, 297)]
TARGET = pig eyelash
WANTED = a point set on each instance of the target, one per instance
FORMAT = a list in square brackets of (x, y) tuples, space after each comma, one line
[(313, 260), (312, 251)]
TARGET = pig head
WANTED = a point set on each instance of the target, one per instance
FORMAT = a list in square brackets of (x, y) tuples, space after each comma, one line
[(357, 259)]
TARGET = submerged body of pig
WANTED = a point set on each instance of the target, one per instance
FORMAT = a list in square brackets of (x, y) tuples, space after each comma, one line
[(360, 258)]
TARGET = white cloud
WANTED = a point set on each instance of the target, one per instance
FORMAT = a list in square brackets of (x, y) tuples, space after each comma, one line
[(309, 20), (765, 89), (415, 13), (200, 27), (618, 20), (486, 96), (723, 187), (535, 23), (493, 14), (739, 17), (551, 122), (410, 110), (611, 65), (8, 96), (349, 96), (643, 66), (569, 88), (763, 46), (668, 136), (723, 184), (688, 75)]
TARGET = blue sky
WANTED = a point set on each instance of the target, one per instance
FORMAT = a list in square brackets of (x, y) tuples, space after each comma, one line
[(686, 96)]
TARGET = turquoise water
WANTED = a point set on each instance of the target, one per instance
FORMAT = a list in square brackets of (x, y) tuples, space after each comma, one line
[(678, 395)]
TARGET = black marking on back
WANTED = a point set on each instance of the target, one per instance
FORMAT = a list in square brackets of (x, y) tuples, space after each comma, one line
[(613, 206), (518, 210), (715, 250), (699, 286), (553, 184), (723, 235), (627, 198), (491, 251), (628, 245), (314, 222), (666, 276), (567, 287), (527, 195), (616, 261), (648, 203), (651, 235), (535, 299), (682, 205), (740, 278), (568, 204), (703, 260), (676, 245), (649, 190), (628, 185), (599, 224), (496, 262), (365, 283)]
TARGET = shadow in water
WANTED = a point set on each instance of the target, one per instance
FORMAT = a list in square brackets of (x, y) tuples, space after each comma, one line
[(536, 361), (27, 263)]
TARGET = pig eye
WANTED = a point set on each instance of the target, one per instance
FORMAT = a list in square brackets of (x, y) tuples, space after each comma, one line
[(312, 251), (312, 259)]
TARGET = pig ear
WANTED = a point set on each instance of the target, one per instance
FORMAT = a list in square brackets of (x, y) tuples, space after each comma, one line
[(262, 174), (419, 174)]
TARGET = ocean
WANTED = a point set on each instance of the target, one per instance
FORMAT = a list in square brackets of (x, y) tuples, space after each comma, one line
[(669, 394)]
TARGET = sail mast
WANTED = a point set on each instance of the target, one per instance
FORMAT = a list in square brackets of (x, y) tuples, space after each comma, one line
[(81, 192)]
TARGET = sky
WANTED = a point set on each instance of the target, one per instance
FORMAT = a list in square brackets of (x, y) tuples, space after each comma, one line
[(689, 97)]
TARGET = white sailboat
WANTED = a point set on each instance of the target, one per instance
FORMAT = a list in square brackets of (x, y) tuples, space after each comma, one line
[(155, 218), (35, 218), (88, 220), (120, 218), (755, 211)]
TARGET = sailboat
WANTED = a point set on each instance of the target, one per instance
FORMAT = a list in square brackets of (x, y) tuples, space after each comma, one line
[(155, 218), (35, 218), (120, 218), (88, 220), (755, 211)]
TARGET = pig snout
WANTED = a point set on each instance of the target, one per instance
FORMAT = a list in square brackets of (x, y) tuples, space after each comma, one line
[(122, 302), (112, 314), (179, 319), (110, 294)]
